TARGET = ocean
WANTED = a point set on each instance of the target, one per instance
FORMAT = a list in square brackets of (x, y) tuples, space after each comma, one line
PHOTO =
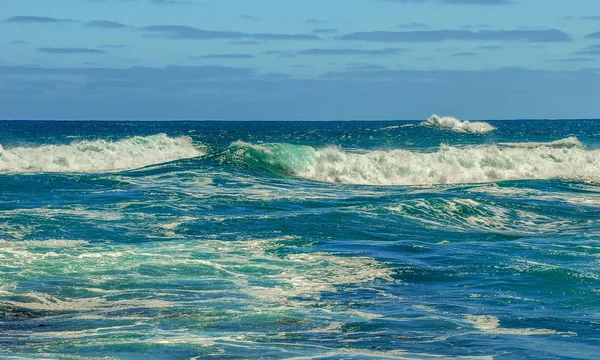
[(300, 240)]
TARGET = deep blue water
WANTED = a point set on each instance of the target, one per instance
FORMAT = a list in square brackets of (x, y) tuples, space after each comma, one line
[(337, 240)]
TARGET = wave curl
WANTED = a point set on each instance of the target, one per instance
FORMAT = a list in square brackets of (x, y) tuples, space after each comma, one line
[(448, 165)]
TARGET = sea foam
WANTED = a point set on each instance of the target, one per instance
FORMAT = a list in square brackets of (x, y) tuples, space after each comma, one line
[(453, 124), (448, 165), (97, 156)]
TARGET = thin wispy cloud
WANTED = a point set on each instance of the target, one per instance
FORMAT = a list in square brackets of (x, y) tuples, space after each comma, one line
[(170, 2), (249, 18), (325, 31), (463, 55), (365, 66), (269, 36), (35, 20), (314, 21), (355, 52), (595, 35), (590, 50), (70, 51), (104, 24), (246, 42), (414, 25), (112, 46), (178, 32), (456, 2), (551, 35), (490, 48), (575, 60), (281, 53), (224, 56), (139, 75), (587, 18)]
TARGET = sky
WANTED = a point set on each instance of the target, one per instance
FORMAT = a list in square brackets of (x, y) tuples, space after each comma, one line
[(299, 59)]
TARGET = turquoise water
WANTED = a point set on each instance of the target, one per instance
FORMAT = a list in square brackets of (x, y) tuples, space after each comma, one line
[(337, 240)]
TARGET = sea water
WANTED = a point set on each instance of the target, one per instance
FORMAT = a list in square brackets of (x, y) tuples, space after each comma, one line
[(337, 240)]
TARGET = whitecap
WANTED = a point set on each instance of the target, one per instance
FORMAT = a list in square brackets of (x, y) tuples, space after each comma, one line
[(453, 124), (97, 156)]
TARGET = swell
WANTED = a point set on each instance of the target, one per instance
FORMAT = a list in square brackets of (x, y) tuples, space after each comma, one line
[(565, 159), (98, 155)]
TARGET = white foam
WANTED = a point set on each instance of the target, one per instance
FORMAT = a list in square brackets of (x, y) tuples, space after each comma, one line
[(469, 215), (448, 165), (570, 142), (491, 325), (97, 155), (453, 124), (249, 265)]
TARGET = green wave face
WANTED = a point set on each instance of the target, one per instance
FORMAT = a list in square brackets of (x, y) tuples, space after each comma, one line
[(277, 158)]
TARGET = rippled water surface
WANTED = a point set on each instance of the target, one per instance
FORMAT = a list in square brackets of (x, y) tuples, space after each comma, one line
[(341, 240)]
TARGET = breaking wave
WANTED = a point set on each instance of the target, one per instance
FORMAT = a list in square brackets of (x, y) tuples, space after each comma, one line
[(453, 124), (448, 165), (98, 155)]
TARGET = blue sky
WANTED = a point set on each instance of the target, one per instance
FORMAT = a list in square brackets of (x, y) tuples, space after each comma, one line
[(299, 59)]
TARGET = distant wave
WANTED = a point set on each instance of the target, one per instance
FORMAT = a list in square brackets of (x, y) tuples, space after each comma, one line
[(453, 124), (448, 165), (98, 155)]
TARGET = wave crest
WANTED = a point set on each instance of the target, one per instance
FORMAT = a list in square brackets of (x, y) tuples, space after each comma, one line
[(453, 124), (98, 155), (448, 165)]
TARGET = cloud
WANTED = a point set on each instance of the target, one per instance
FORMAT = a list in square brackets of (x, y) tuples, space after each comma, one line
[(178, 32), (475, 27), (104, 24), (462, 35), (595, 35), (268, 36), (314, 21), (325, 31), (70, 51), (490, 48), (280, 53), (365, 66), (190, 33), (575, 60), (170, 2), (357, 52), (19, 42), (197, 93), (141, 76), (35, 20), (414, 25), (276, 76), (224, 56), (249, 18), (246, 42), (463, 55), (457, 2), (590, 50), (112, 46)]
